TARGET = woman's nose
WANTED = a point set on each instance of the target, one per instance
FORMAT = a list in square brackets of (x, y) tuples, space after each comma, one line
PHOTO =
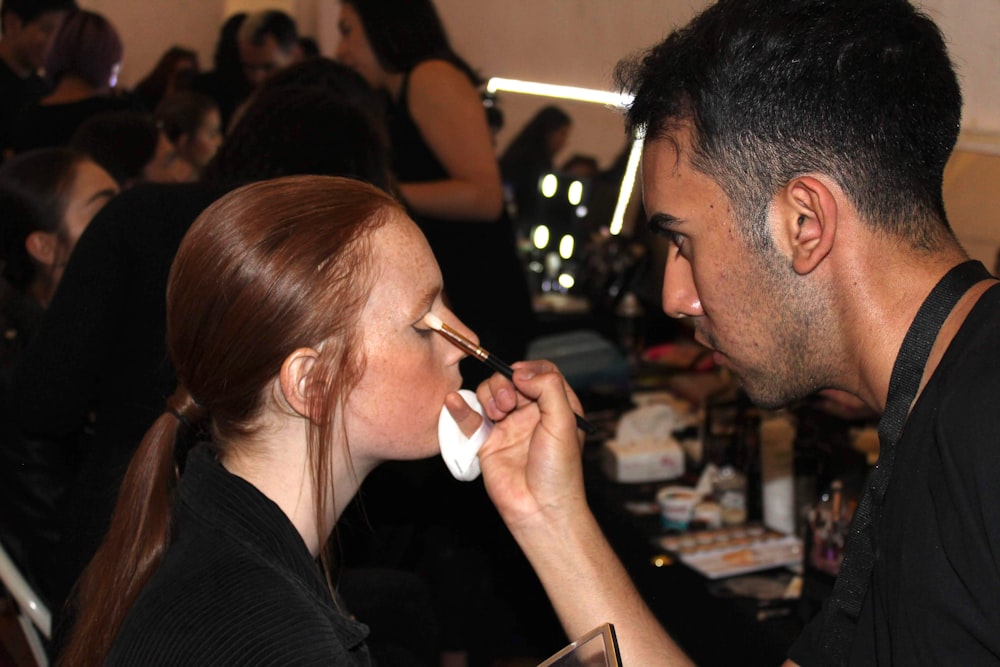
[(680, 296)]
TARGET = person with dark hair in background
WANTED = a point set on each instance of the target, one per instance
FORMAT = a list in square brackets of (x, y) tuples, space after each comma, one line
[(531, 154), (132, 147), (47, 198), (225, 82), (268, 41), (82, 68), (54, 194), (28, 29), (443, 158), (309, 47), (100, 348), (173, 73), (193, 124), (582, 166)]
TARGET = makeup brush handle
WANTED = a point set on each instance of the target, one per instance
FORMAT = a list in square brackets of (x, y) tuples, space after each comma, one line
[(508, 372)]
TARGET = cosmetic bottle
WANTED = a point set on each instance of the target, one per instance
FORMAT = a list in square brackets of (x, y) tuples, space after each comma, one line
[(630, 325)]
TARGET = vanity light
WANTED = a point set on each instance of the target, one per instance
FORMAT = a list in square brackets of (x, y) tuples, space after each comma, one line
[(575, 193), (566, 246), (549, 185), (618, 100), (541, 237), (628, 182), (560, 92)]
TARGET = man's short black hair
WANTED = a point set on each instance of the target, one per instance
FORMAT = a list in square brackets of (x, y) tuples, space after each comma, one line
[(860, 90)]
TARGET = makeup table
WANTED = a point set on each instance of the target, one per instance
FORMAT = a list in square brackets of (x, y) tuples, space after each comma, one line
[(709, 617), (713, 627)]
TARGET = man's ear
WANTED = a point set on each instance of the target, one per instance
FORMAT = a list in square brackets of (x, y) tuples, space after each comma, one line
[(41, 246), (806, 212), (298, 380)]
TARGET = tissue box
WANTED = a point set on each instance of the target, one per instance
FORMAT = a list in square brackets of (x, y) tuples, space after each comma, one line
[(643, 461)]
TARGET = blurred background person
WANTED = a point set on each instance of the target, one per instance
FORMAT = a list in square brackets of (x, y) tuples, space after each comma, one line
[(172, 73), (308, 47), (531, 154), (193, 124), (47, 198), (581, 166), (28, 28), (83, 70), (268, 41), (225, 82), (445, 164), (443, 158), (57, 192), (131, 146)]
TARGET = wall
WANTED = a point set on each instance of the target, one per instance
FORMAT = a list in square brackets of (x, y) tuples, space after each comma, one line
[(574, 42), (972, 200)]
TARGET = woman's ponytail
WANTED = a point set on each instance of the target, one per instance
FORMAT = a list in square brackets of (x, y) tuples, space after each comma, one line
[(138, 536)]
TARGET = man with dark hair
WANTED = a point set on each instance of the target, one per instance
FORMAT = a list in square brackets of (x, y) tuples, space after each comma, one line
[(793, 159), (268, 41), (29, 28)]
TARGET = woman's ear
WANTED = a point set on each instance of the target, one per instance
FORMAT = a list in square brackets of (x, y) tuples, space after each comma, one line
[(298, 379), (806, 222), (41, 246)]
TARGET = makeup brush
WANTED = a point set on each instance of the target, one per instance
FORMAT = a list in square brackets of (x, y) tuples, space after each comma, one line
[(457, 339)]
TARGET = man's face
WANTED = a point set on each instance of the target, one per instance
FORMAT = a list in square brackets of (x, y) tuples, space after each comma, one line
[(31, 42), (260, 60), (746, 304)]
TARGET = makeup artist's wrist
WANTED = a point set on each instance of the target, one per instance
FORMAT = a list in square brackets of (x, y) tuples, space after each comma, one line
[(567, 516)]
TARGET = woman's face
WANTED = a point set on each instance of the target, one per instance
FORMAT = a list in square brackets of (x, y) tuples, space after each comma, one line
[(200, 146), (166, 166), (89, 191), (355, 50), (393, 412)]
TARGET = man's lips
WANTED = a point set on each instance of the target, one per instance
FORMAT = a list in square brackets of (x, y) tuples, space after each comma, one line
[(703, 340), (719, 358)]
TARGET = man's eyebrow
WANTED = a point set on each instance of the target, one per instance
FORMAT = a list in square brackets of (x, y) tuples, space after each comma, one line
[(659, 222)]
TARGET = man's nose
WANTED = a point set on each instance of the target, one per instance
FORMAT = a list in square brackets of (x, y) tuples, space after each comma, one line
[(680, 296)]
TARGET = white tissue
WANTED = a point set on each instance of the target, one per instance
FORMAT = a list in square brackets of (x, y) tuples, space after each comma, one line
[(644, 449), (649, 423), (459, 452)]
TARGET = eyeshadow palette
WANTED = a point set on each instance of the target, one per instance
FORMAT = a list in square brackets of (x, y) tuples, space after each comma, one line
[(733, 550)]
